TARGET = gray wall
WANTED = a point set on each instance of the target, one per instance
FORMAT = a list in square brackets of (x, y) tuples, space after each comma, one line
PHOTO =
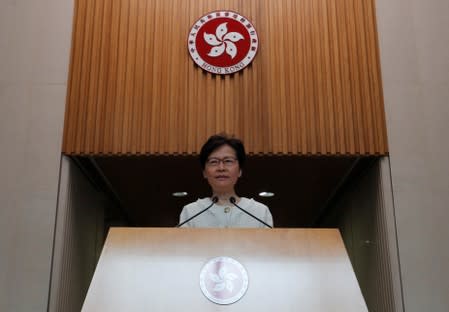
[(363, 211), (80, 233), (414, 45), (35, 41)]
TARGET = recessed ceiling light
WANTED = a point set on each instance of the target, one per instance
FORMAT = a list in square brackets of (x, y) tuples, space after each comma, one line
[(266, 194), (180, 194)]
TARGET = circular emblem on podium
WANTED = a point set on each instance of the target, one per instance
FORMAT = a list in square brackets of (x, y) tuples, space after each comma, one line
[(223, 42), (223, 280)]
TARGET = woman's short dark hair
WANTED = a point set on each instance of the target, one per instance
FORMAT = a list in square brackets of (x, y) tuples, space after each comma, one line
[(219, 140)]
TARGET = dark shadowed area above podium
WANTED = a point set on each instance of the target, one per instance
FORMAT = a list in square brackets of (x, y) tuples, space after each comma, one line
[(303, 186)]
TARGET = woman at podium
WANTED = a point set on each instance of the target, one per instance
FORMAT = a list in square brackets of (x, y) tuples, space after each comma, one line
[(222, 158)]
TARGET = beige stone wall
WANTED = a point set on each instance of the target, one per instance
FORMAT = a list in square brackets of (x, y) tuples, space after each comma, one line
[(34, 55), (414, 45)]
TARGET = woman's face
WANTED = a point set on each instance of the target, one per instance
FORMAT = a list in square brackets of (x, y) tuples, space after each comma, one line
[(222, 169)]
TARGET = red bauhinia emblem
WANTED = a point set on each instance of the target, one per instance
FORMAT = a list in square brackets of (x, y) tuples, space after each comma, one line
[(223, 42)]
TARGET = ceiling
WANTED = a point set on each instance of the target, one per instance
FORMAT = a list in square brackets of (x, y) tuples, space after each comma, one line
[(303, 186)]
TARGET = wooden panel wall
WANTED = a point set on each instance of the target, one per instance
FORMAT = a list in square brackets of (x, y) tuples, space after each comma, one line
[(313, 88)]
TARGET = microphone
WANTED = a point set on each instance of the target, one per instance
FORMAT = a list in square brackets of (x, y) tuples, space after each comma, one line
[(214, 201), (232, 200)]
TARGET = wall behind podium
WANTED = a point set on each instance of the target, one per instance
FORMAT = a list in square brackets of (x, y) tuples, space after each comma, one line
[(363, 211), (314, 87), (79, 236)]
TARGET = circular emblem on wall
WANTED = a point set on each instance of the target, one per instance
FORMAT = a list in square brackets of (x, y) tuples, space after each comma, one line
[(223, 42), (223, 280)]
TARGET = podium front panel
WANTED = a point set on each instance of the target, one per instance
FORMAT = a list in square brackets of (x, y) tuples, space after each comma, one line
[(157, 269)]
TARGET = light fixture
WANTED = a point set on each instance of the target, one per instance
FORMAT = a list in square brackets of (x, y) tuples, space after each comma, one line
[(266, 194), (180, 194)]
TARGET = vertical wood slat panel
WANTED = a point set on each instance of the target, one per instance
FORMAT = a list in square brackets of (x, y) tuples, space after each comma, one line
[(347, 108), (314, 87), (111, 94), (318, 71), (354, 76), (104, 66), (378, 110), (366, 139), (288, 30), (302, 80), (335, 80), (130, 107), (142, 144), (85, 79), (94, 81), (136, 121), (328, 99), (69, 132), (72, 111)]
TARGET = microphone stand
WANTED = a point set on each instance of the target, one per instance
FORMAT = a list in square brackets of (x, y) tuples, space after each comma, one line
[(214, 200), (232, 200)]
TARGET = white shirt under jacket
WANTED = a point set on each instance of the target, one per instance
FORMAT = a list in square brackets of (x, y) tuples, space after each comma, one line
[(226, 216)]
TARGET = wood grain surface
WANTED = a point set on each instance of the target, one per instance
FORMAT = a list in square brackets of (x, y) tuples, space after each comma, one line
[(314, 86)]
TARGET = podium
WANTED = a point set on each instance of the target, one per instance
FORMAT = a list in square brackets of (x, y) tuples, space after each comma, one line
[(158, 269)]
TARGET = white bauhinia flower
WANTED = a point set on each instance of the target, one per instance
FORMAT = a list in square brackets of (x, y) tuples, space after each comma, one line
[(221, 30), (211, 39), (222, 41), (217, 51), (233, 36), (223, 280), (231, 49), (219, 287)]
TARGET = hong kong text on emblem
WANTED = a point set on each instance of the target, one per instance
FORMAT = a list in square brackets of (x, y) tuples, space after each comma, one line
[(223, 42), (223, 280)]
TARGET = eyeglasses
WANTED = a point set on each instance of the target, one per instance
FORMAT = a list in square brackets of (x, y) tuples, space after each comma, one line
[(227, 162)]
